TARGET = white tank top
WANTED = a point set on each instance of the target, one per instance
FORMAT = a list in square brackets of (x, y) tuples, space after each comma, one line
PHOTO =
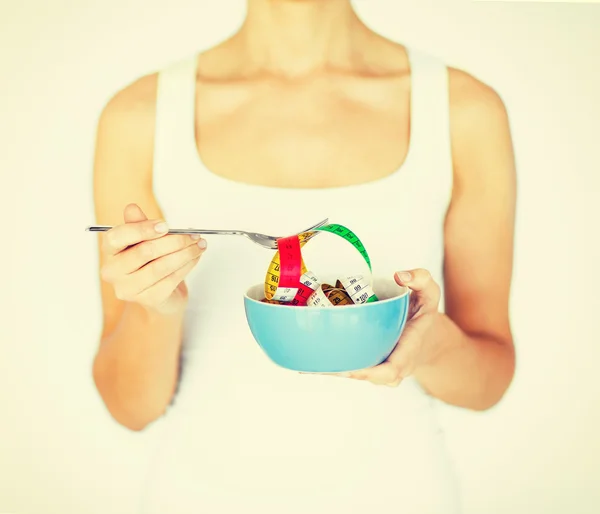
[(244, 436)]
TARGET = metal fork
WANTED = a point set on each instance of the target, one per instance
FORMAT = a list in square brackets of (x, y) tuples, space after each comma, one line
[(269, 242)]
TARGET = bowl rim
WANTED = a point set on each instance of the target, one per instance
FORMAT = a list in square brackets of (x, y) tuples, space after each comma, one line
[(403, 291)]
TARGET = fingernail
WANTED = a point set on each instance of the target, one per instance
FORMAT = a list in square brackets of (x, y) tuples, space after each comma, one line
[(196, 236), (202, 243), (404, 276), (161, 228)]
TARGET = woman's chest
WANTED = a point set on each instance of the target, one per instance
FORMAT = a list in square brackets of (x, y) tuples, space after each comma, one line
[(299, 138)]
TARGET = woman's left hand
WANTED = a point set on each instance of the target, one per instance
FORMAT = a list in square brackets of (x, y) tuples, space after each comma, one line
[(413, 348)]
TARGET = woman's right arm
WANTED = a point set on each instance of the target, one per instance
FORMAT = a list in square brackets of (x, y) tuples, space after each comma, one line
[(136, 368)]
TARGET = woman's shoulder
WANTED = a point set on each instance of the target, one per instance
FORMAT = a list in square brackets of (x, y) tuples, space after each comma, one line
[(474, 105), (127, 121), (125, 139), (469, 94), (480, 132), (478, 116), (133, 104), (466, 90), (477, 111)]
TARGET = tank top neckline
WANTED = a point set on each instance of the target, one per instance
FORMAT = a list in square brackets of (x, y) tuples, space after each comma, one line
[(204, 173)]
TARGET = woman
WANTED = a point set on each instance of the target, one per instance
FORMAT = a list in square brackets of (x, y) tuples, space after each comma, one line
[(305, 113)]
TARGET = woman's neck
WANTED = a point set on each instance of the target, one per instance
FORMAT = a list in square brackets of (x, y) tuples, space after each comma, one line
[(297, 37)]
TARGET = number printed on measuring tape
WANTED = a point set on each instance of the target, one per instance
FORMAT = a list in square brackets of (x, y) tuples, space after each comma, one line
[(309, 280), (297, 295), (358, 287), (308, 283), (328, 296), (285, 294), (318, 299)]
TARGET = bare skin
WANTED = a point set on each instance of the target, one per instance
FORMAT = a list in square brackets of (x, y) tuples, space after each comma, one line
[(303, 89)]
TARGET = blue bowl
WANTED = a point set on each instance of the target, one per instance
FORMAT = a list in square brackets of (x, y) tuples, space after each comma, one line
[(329, 339)]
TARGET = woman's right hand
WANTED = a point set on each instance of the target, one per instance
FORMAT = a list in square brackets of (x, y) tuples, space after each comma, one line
[(146, 265)]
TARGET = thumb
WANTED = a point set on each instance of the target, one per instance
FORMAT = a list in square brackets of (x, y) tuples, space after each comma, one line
[(423, 286), (133, 213)]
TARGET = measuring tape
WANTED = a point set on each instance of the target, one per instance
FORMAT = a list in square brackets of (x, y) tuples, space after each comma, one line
[(288, 281), (328, 296), (295, 284)]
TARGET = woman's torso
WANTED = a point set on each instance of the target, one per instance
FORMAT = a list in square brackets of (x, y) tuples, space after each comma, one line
[(244, 435)]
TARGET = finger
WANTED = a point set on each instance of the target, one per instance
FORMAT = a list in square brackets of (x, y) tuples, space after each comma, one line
[(133, 213), (163, 289), (162, 267), (129, 234), (422, 284), (136, 257), (384, 374)]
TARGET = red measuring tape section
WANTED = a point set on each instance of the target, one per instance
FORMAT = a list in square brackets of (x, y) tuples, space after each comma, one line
[(291, 270), (291, 261)]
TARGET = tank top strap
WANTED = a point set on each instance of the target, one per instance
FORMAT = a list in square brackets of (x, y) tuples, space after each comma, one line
[(175, 114), (430, 121)]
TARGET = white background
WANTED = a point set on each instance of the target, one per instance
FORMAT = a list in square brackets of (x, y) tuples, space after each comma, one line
[(538, 452)]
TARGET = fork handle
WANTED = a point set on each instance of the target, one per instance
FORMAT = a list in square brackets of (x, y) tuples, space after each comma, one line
[(187, 231)]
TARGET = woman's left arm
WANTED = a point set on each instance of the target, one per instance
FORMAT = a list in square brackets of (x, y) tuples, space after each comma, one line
[(466, 356)]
